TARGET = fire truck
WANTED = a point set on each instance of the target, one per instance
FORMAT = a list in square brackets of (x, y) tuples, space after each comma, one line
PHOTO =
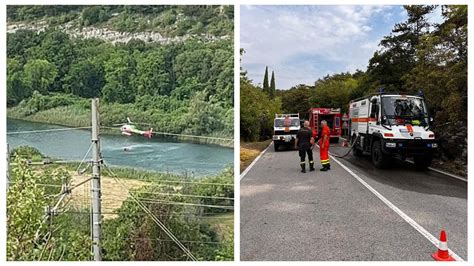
[(284, 129), (332, 117), (387, 125)]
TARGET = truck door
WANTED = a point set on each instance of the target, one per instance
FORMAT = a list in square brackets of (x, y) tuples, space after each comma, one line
[(374, 115)]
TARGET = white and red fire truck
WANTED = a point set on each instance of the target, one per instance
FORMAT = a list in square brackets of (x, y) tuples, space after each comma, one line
[(389, 125), (332, 117), (284, 129)]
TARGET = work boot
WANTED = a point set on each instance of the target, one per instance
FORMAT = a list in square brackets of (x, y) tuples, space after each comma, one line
[(329, 166), (311, 167), (303, 168), (324, 169)]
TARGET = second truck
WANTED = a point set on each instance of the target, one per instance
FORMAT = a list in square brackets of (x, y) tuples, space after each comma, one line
[(392, 125)]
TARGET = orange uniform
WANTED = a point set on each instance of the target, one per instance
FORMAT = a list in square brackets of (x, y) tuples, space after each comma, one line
[(324, 151)]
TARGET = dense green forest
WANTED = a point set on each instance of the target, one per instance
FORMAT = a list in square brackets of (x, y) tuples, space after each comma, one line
[(184, 87), (416, 55), (131, 234)]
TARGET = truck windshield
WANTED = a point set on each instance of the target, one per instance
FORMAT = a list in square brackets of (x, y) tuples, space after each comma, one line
[(403, 110), (292, 122)]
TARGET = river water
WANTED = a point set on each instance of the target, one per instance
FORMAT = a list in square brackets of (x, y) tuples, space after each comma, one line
[(156, 154)]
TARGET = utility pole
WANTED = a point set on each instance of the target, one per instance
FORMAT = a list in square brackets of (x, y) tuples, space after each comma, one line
[(96, 193), (8, 166)]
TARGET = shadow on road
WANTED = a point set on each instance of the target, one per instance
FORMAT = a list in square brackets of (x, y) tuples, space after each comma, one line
[(404, 175)]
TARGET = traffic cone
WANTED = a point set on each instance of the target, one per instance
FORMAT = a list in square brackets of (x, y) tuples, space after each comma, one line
[(344, 143), (442, 254)]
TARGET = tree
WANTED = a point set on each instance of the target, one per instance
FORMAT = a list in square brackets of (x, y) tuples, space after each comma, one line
[(57, 48), (85, 79), (39, 75), (272, 86), (152, 76), (26, 199), (93, 14), (334, 91), (257, 112), (16, 91), (296, 99), (398, 54), (266, 87), (441, 70), (119, 71)]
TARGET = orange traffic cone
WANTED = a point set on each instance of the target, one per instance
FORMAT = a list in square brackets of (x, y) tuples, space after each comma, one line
[(442, 254)]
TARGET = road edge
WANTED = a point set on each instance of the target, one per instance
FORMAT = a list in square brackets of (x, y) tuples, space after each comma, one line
[(242, 175), (398, 211)]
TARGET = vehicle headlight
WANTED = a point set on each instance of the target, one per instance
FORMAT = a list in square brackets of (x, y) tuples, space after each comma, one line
[(434, 145), (390, 144)]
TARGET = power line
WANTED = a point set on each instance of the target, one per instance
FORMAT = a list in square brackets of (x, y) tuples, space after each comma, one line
[(194, 215), (187, 195), (179, 195), (179, 135), (156, 220), (167, 240), (184, 182), (84, 158), (45, 130), (187, 204)]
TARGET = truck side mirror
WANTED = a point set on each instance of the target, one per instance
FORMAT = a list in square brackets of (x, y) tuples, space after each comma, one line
[(374, 110)]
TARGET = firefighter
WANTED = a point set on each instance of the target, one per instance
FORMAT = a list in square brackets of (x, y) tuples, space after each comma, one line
[(324, 146), (304, 142)]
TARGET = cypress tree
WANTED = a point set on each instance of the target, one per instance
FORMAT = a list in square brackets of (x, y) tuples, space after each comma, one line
[(272, 86), (266, 87)]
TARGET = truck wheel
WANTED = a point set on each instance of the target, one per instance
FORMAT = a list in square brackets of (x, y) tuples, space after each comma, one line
[(357, 152), (379, 159), (276, 145), (422, 162)]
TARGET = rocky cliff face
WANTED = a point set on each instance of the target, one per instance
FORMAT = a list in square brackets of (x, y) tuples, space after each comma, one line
[(111, 35), (453, 148)]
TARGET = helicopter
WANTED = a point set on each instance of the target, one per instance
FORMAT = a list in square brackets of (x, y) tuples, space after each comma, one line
[(129, 129)]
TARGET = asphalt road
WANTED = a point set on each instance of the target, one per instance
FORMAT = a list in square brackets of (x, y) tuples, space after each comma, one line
[(288, 215)]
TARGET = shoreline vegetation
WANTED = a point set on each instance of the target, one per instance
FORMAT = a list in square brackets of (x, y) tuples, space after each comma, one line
[(203, 140)]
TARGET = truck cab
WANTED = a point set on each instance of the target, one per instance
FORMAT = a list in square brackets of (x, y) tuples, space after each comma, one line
[(285, 128), (392, 125)]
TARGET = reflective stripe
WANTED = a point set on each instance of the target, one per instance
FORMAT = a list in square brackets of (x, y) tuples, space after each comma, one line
[(325, 161), (443, 246), (302, 162), (311, 162)]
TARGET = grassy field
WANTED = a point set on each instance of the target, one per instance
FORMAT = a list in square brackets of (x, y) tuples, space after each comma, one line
[(250, 150)]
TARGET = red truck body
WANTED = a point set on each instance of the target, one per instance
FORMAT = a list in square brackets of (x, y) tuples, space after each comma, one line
[(331, 115)]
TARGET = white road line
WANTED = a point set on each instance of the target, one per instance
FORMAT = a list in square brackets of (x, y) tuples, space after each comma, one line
[(441, 172), (405, 217), (254, 161)]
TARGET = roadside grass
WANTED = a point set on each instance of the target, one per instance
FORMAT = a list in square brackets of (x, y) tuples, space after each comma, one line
[(250, 150), (223, 224)]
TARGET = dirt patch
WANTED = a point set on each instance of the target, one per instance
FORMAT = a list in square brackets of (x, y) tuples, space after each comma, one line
[(113, 193), (250, 150)]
